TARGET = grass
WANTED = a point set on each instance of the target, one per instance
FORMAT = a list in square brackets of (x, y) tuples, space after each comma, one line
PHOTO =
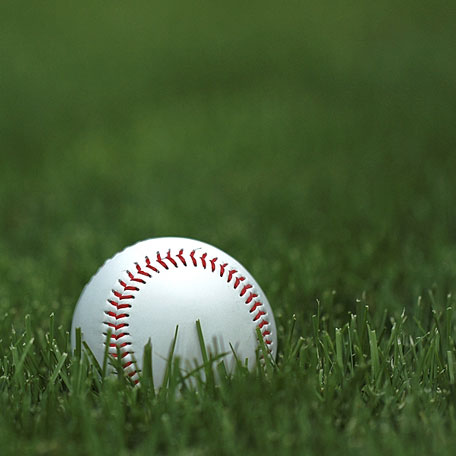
[(313, 143), (376, 384)]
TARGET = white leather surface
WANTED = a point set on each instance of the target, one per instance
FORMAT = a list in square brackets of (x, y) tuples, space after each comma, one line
[(174, 294)]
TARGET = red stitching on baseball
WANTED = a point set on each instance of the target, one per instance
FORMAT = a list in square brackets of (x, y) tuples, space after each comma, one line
[(192, 256), (180, 256), (119, 295), (230, 274), (244, 290), (160, 261), (149, 265), (119, 345), (117, 327), (116, 316), (118, 336), (173, 261), (134, 279), (119, 306), (255, 305), (121, 356), (251, 296), (258, 315), (238, 281), (128, 287), (124, 347)]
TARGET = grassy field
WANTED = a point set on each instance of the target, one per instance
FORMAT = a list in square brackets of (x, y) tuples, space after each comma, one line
[(313, 141)]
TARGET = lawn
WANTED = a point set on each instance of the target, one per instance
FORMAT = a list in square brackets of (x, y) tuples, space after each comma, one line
[(315, 142)]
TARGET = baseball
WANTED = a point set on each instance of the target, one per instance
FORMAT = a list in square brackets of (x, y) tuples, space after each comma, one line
[(151, 288)]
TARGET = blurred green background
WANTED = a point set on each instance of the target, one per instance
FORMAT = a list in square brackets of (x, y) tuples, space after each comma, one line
[(314, 141)]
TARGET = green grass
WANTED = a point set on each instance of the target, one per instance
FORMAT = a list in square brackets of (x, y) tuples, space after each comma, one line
[(313, 142)]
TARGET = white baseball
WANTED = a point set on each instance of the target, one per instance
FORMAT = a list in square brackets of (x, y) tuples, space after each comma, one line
[(149, 288)]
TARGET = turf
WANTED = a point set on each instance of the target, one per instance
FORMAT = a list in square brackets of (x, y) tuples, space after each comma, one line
[(314, 142)]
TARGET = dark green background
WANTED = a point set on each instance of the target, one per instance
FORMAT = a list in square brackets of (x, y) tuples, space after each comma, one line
[(324, 130), (313, 141)]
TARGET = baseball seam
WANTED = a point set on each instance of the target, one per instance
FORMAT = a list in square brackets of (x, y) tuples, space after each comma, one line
[(123, 294)]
